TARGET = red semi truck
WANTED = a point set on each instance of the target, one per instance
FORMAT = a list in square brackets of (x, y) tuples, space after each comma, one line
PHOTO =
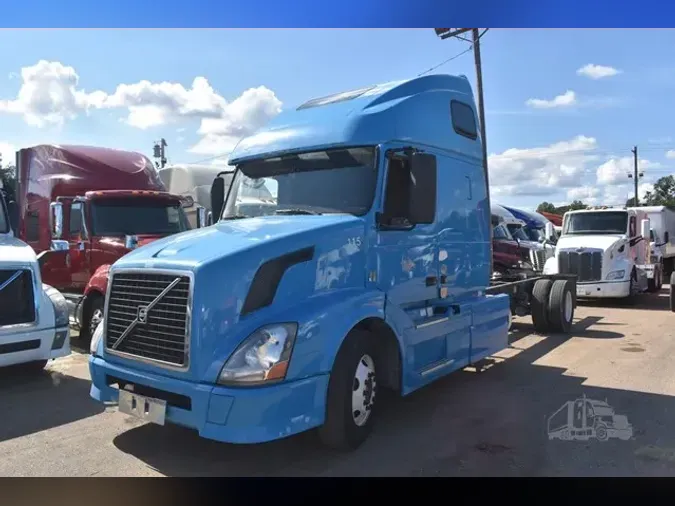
[(81, 208)]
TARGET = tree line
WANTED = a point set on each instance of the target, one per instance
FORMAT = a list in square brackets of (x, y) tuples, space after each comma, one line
[(663, 194)]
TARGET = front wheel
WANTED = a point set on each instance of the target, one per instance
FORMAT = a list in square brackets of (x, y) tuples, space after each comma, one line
[(92, 317), (351, 394)]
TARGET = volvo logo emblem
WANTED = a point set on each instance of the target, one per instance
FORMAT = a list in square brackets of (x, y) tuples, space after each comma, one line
[(142, 314)]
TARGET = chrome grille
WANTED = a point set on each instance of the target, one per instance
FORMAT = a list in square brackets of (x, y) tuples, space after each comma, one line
[(586, 265), (148, 318), (538, 258), (17, 300)]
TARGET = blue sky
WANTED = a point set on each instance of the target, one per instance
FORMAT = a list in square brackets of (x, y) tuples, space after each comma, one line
[(577, 149)]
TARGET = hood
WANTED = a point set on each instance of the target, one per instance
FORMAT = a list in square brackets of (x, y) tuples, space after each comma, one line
[(603, 242), (195, 248), (117, 242), (14, 251), (224, 259)]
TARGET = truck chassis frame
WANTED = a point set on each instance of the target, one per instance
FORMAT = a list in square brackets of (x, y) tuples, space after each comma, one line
[(549, 298)]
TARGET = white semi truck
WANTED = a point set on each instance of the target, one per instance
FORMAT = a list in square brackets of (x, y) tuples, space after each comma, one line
[(608, 250), (193, 183), (33, 316)]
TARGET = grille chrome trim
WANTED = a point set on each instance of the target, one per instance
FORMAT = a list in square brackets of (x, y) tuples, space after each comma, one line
[(585, 263), (188, 318), (35, 294)]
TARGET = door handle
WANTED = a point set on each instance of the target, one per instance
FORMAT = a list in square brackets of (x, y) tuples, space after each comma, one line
[(431, 280)]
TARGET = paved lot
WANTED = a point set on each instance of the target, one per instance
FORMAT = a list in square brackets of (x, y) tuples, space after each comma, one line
[(488, 423)]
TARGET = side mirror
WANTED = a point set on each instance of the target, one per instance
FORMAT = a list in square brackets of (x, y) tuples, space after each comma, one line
[(58, 245), (201, 217), (56, 219), (549, 231), (217, 196), (644, 229), (422, 188), (130, 241)]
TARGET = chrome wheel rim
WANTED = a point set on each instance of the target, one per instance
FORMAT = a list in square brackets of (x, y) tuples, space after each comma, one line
[(96, 318), (568, 307), (363, 390)]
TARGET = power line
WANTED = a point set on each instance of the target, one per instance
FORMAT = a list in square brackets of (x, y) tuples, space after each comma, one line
[(453, 57)]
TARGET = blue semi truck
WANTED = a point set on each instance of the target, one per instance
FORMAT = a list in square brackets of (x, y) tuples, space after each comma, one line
[(369, 268)]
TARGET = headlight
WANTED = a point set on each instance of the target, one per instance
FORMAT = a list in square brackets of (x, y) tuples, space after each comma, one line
[(61, 313), (96, 338), (615, 275), (262, 357)]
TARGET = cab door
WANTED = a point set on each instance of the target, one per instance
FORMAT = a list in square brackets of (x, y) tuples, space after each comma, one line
[(78, 248)]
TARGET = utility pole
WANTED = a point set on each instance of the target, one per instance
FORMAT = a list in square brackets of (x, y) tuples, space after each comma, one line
[(159, 150), (635, 175), (445, 33)]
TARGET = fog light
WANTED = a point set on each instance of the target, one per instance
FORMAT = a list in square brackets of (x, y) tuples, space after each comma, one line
[(59, 339)]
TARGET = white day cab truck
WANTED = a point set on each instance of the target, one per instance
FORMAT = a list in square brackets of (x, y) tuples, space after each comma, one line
[(608, 250), (662, 243), (33, 317)]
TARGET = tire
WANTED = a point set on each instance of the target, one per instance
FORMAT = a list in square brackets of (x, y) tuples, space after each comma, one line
[(91, 316), (601, 433), (561, 306), (672, 292), (631, 298), (354, 368), (655, 284), (539, 304)]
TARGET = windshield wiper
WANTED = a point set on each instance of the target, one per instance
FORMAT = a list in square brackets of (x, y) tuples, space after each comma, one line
[(236, 217), (295, 211)]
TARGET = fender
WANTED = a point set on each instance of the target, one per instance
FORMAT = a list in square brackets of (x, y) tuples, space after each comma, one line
[(99, 281)]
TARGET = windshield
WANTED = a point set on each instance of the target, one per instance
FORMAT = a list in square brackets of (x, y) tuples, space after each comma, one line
[(4, 220), (518, 233), (118, 217), (335, 181), (535, 234), (605, 222)]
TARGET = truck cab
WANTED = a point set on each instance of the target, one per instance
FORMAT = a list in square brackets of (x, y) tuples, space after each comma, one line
[(536, 230), (508, 255), (193, 183), (367, 270), (33, 316), (83, 207), (91, 232), (535, 252), (608, 250)]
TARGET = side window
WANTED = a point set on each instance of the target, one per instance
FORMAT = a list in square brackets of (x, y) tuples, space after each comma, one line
[(75, 223), (632, 227), (397, 197), (463, 119), (499, 232)]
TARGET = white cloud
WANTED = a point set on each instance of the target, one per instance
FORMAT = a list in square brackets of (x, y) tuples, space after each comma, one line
[(670, 153), (567, 99), (50, 95), (542, 170), (593, 71), (7, 154), (587, 194), (615, 170)]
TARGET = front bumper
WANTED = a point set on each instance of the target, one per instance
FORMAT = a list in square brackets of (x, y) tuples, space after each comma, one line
[(607, 289), (232, 415), (31, 345)]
